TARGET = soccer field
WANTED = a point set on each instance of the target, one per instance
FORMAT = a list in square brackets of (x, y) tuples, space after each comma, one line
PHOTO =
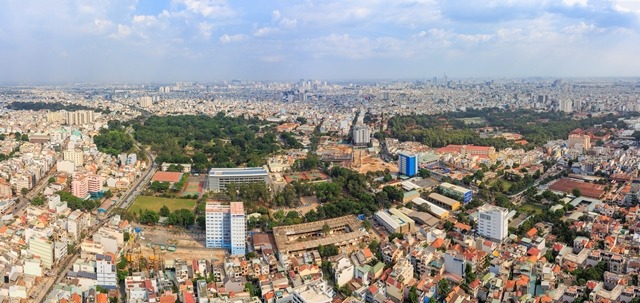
[(155, 203)]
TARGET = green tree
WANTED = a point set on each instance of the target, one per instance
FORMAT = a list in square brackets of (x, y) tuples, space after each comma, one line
[(24, 191), (374, 245), (51, 180), (149, 217), (424, 173), (387, 178), (328, 250), (37, 201), (576, 192), (326, 229), (201, 221), (164, 211), (396, 235), (469, 275), (444, 288), (413, 294)]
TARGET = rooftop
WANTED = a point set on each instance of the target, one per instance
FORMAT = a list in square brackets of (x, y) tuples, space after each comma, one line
[(242, 171)]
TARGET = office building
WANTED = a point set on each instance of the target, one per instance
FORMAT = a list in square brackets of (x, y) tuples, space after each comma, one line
[(456, 192), (106, 271), (492, 222), (219, 177), (361, 134), (408, 164), (225, 226)]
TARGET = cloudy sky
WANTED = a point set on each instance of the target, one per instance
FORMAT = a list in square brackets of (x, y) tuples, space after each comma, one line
[(208, 40)]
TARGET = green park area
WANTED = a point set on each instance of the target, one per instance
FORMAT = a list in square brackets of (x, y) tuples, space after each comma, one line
[(155, 203), (531, 208)]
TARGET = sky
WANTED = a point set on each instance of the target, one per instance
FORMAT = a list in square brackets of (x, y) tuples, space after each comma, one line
[(210, 40)]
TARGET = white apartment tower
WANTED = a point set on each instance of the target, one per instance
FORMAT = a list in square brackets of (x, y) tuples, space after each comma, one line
[(566, 105), (80, 117), (146, 101), (361, 134), (225, 227), (492, 222)]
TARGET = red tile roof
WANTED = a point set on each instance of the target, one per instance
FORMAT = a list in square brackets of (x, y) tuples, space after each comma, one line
[(166, 176)]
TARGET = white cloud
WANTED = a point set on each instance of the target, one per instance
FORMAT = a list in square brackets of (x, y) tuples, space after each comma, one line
[(123, 31), (627, 6), (275, 15), (264, 31), (575, 2), (206, 29), (288, 23), (224, 39), (102, 25), (208, 8), (145, 20)]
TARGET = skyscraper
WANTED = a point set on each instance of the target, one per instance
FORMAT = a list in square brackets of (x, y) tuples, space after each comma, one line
[(408, 164), (225, 226), (492, 222)]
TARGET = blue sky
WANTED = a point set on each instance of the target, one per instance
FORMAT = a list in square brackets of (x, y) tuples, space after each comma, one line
[(209, 40)]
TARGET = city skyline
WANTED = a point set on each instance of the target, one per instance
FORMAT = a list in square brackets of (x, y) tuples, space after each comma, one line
[(191, 40)]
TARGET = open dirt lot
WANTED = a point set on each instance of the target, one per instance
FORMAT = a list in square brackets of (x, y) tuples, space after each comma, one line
[(189, 245), (365, 163)]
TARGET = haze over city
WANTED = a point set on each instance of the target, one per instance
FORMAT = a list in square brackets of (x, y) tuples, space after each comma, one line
[(192, 40)]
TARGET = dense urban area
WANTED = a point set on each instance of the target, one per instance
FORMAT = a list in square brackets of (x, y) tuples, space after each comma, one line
[(444, 190)]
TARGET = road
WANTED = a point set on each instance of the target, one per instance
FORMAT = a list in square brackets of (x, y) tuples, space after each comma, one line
[(124, 201), (134, 190)]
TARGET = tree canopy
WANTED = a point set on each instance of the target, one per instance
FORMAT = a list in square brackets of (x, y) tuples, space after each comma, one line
[(218, 141)]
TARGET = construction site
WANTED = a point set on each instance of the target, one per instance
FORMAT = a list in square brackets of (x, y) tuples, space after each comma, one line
[(152, 255), (364, 161)]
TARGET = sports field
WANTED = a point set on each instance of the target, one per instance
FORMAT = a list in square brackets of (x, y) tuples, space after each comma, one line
[(193, 186), (155, 203)]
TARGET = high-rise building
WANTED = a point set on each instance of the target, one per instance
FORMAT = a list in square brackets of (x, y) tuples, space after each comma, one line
[(79, 117), (492, 222), (146, 101), (94, 183), (42, 248), (361, 134), (566, 105), (80, 186), (225, 227), (219, 177), (77, 157), (76, 223), (5, 189), (408, 164)]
